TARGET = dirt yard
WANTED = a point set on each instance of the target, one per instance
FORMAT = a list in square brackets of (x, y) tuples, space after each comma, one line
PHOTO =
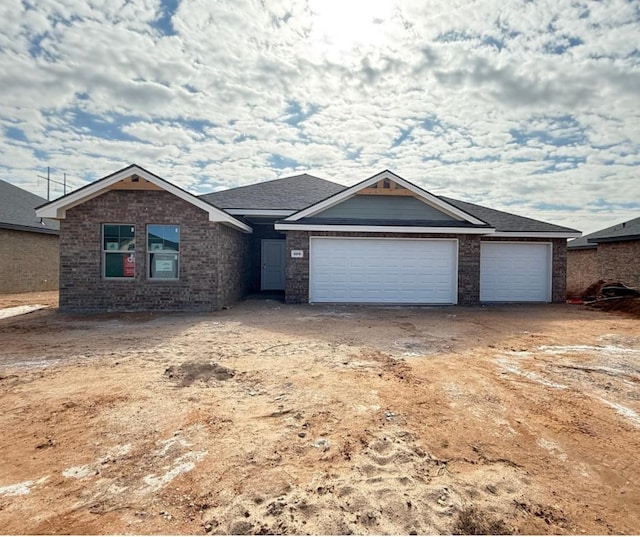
[(269, 418)]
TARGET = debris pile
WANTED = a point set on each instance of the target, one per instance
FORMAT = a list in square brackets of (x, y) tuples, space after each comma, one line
[(609, 295)]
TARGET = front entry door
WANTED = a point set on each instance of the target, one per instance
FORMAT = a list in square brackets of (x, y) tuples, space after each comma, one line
[(273, 268)]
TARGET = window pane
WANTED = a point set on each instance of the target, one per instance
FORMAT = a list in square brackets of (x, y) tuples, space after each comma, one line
[(163, 238), (163, 266), (119, 265), (171, 234), (110, 231), (119, 237)]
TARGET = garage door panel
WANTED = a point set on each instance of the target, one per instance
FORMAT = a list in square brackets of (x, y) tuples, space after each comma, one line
[(382, 270), (515, 272)]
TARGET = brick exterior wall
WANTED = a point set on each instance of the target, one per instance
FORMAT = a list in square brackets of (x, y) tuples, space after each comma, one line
[(609, 261), (620, 261), (28, 261), (582, 270), (558, 264), (297, 285), (211, 256), (234, 254)]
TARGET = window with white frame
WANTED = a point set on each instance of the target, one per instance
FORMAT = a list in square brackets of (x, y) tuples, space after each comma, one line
[(163, 251), (118, 250)]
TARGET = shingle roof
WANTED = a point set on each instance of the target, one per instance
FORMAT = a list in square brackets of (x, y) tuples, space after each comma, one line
[(301, 191), (624, 231), (289, 193), (17, 210), (503, 221)]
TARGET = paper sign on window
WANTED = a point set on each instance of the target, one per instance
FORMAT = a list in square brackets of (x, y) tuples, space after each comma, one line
[(128, 265), (164, 265)]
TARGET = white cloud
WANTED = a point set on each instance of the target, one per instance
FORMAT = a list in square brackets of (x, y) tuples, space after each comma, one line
[(514, 105)]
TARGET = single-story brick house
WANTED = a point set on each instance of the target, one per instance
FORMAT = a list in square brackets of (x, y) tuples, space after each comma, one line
[(133, 240), (612, 253), (28, 244)]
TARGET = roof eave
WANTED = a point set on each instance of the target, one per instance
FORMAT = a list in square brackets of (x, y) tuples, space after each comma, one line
[(293, 226), (31, 229), (621, 238), (539, 234), (57, 209)]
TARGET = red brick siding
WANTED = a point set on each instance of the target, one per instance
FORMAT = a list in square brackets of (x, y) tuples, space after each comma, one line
[(28, 261), (209, 276)]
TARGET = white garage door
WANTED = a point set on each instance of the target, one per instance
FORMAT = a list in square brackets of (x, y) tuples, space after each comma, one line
[(515, 272), (417, 271)]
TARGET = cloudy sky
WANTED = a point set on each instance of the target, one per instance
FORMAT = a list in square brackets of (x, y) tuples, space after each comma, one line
[(527, 106)]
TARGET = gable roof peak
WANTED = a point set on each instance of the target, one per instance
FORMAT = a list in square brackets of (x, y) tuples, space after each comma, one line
[(57, 209)]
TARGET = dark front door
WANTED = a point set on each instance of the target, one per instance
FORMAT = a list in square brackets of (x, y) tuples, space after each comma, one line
[(273, 265)]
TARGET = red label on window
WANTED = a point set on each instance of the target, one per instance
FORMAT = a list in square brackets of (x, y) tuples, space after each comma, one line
[(129, 266)]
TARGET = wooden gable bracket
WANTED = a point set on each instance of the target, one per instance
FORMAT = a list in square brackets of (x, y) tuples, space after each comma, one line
[(135, 182), (386, 187)]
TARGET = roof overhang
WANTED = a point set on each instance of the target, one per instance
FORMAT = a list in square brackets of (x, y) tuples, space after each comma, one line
[(620, 238), (425, 196), (538, 234), (271, 213), (31, 229), (57, 209), (292, 226)]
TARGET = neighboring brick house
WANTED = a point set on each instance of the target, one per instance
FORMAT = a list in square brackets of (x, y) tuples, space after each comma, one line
[(612, 253), (28, 244), (133, 240)]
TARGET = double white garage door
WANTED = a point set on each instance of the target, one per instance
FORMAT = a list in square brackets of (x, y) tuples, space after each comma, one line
[(422, 271)]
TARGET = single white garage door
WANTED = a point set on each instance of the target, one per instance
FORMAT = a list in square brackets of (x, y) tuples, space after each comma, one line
[(394, 271), (515, 272)]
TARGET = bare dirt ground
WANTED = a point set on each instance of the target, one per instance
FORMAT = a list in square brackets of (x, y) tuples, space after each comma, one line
[(269, 418)]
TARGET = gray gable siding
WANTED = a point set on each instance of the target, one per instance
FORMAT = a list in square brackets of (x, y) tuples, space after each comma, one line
[(364, 207)]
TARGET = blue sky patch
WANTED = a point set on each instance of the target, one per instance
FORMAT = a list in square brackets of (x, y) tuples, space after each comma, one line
[(279, 162), (163, 22)]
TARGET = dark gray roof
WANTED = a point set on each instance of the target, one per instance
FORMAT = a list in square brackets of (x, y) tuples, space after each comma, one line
[(301, 191), (503, 221), (624, 231), (17, 210), (289, 193)]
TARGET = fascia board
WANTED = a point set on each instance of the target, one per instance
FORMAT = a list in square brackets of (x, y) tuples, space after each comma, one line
[(292, 226), (260, 212), (538, 234)]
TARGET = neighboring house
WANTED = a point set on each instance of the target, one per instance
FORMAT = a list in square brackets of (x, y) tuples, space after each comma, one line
[(28, 244), (133, 240), (612, 253)]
